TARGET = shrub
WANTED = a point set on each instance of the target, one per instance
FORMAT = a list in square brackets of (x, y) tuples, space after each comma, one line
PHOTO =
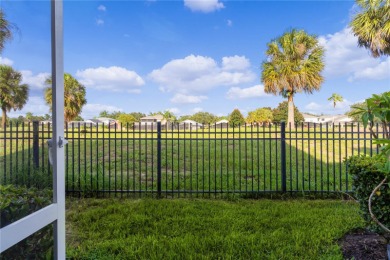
[(366, 175), (16, 203), (31, 178), (236, 118)]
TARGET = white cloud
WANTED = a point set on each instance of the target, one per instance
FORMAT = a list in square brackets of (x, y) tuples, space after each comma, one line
[(328, 108), (235, 63), (91, 110), (111, 79), (99, 21), (134, 91), (343, 57), (102, 8), (205, 6), (174, 110), (35, 105), (6, 61), (200, 74), (377, 72), (252, 92), (187, 99), (34, 81), (229, 23)]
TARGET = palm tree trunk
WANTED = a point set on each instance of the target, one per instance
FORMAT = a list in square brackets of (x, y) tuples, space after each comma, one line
[(3, 117), (290, 120)]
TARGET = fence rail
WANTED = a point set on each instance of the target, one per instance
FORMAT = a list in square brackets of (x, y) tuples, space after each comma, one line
[(187, 161)]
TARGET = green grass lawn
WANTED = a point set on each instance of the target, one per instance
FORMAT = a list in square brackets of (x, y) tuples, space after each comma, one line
[(208, 229), (196, 161), (206, 161)]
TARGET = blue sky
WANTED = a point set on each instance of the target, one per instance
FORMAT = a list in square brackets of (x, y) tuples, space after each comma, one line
[(187, 56)]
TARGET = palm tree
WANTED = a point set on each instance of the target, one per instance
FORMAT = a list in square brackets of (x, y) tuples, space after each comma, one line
[(13, 94), (372, 26), (5, 30), (335, 98), (294, 64), (169, 116), (74, 96)]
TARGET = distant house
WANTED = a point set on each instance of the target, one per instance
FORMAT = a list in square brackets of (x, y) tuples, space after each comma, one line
[(150, 123), (190, 125), (317, 119), (105, 121), (221, 124), (310, 118), (77, 124), (342, 119)]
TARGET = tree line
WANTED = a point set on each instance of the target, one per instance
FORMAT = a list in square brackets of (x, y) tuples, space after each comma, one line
[(259, 116)]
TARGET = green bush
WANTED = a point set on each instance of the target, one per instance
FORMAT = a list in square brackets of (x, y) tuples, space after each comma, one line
[(35, 177), (366, 175), (16, 203)]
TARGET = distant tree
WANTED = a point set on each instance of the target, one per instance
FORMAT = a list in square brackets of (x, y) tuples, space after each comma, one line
[(336, 98), (127, 120), (137, 115), (185, 117), (6, 29), (74, 96), (281, 113), (16, 121), (294, 64), (13, 94), (372, 26), (104, 113), (219, 118), (29, 116), (47, 117), (260, 115), (236, 118), (168, 115), (78, 118), (113, 115), (204, 118)]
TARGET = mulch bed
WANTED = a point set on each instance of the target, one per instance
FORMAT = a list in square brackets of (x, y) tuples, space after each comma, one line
[(363, 244)]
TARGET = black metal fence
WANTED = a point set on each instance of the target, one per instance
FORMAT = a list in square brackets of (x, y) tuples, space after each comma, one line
[(190, 161)]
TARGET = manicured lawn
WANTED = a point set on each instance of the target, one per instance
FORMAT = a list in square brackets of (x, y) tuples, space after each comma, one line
[(207, 229)]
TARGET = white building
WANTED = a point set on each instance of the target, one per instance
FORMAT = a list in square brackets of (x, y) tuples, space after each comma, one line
[(342, 119), (190, 125), (150, 122), (221, 124)]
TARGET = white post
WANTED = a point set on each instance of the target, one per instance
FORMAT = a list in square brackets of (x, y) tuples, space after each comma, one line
[(58, 126)]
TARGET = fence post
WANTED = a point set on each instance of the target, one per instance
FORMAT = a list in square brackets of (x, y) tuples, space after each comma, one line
[(159, 159), (283, 155), (36, 144)]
